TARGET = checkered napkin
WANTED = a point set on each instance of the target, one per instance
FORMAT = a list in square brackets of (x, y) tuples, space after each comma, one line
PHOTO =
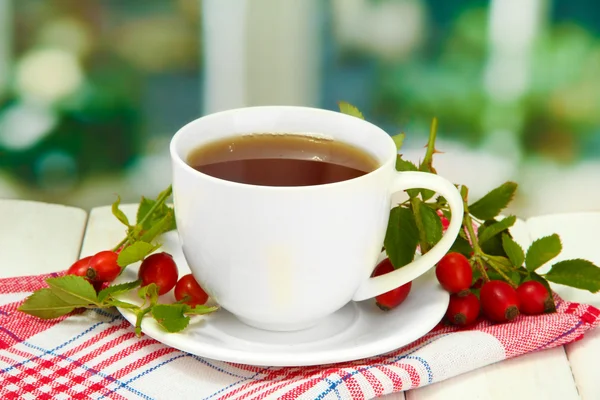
[(95, 354)]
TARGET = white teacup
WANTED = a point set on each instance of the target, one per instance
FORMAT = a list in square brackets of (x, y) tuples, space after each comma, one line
[(283, 258)]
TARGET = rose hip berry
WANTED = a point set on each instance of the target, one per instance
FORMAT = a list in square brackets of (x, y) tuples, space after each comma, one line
[(499, 301), (534, 298), (394, 297), (443, 219), (463, 309), (103, 267), (454, 272), (188, 287), (80, 267), (159, 268)]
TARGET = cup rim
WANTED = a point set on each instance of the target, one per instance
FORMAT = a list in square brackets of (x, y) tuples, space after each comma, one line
[(176, 159)]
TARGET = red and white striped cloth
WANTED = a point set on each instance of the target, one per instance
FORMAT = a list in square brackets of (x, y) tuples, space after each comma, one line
[(95, 354)]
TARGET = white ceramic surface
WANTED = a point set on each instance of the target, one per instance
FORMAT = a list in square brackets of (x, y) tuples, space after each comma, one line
[(357, 330), (284, 258)]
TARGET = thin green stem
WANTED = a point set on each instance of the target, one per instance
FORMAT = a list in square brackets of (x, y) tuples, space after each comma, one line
[(499, 269), (481, 269), (159, 202), (129, 239), (415, 202), (468, 225), (124, 241), (416, 209), (428, 160), (138, 320)]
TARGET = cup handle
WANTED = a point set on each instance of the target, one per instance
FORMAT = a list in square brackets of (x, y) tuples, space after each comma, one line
[(373, 287)]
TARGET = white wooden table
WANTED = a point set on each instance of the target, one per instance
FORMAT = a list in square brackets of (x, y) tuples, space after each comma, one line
[(37, 238)]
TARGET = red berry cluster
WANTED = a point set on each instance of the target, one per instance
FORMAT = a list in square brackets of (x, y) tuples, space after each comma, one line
[(394, 297), (159, 268), (498, 301)]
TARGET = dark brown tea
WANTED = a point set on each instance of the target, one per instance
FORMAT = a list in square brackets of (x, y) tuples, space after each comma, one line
[(281, 160)]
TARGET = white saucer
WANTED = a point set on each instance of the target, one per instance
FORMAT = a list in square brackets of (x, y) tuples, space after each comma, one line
[(358, 330)]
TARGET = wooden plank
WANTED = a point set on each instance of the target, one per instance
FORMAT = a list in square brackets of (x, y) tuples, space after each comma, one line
[(38, 238), (541, 375), (579, 237), (104, 231), (580, 240), (583, 356)]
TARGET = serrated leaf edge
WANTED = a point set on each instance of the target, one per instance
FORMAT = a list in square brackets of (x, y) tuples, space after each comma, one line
[(55, 288)]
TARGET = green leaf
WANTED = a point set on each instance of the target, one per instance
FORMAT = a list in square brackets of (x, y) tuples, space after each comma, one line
[(515, 277), (398, 140), (501, 262), (134, 253), (171, 317), (165, 193), (200, 310), (513, 250), (495, 228), (162, 226), (541, 251), (426, 194), (405, 165), (159, 213), (173, 224), (577, 273), (432, 225), (73, 290), (535, 277), (462, 246), (504, 265), (149, 292), (490, 205), (494, 276), (492, 246), (143, 209), (441, 201), (117, 289), (123, 304), (120, 214), (45, 304), (402, 237), (349, 109)]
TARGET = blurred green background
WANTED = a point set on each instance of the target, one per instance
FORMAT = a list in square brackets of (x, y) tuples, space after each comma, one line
[(92, 91)]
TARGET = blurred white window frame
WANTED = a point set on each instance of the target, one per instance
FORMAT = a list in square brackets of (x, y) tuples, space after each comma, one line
[(513, 28), (260, 52)]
